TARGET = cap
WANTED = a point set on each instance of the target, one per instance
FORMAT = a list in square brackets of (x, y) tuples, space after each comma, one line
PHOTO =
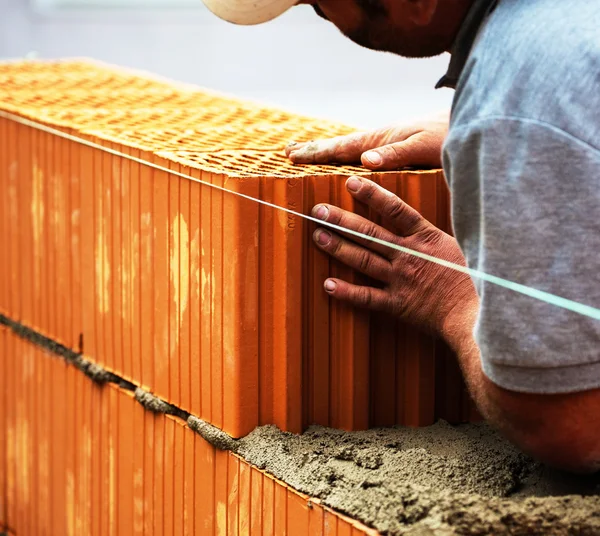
[(249, 11)]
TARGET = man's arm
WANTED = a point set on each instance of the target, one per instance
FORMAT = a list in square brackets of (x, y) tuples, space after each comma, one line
[(561, 430)]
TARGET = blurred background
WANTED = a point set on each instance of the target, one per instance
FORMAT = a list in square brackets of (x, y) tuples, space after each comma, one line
[(299, 61)]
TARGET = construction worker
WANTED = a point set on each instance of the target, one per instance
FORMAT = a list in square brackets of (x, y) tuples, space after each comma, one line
[(521, 154)]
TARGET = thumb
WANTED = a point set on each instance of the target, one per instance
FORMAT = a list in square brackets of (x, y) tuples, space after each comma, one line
[(419, 150)]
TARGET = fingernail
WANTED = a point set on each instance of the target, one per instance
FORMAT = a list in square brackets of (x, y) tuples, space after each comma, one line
[(323, 237), (353, 184), (321, 212), (292, 143), (300, 151), (330, 285), (373, 158)]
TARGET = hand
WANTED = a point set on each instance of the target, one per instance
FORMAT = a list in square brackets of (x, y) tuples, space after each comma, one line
[(413, 289), (415, 145)]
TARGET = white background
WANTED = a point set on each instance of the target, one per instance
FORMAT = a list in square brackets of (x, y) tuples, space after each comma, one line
[(298, 61)]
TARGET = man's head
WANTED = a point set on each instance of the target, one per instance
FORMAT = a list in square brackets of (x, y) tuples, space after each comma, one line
[(413, 28)]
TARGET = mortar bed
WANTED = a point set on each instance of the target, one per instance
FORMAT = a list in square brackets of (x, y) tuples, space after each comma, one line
[(440, 479)]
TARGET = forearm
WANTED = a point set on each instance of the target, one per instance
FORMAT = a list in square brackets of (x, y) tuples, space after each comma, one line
[(490, 401), (457, 331), (561, 430)]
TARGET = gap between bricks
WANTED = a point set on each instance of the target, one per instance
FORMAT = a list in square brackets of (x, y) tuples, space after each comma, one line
[(99, 375)]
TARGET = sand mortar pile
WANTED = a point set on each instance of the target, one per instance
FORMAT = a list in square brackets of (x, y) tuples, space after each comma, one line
[(441, 479)]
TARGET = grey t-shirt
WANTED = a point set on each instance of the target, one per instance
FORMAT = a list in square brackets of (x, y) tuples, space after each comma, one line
[(522, 160)]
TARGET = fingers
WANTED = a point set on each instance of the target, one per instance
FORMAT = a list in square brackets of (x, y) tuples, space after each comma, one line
[(384, 149), (294, 146), (357, 257), (419, 150), (358, 295), (339, 150), (404, 219), (354, 222), (344, 149)]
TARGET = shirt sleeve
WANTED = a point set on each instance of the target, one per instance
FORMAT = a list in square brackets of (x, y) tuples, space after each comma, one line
[(525, 205)]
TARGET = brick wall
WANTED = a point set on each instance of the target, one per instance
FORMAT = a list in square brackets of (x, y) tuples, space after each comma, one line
[(211, 301)]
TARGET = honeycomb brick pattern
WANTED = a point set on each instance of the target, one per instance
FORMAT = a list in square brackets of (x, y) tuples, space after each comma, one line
[(226, 138), (211, 301)]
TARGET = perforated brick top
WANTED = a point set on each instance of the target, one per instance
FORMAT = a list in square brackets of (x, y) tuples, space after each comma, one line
[(69, 74), (236, 136), (198, 128), (254, 164), (9, 82), (213, 114), (119, 98)]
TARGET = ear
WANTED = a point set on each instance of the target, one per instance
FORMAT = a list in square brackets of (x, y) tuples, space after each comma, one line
[(421, 12)]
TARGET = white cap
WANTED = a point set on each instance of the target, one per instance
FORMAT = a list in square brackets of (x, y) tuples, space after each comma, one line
[(249, 11)]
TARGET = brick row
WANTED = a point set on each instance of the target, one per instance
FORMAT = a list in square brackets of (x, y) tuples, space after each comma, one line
[(212, 301), (76, 458)]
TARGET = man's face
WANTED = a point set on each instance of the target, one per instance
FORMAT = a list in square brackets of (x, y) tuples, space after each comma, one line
[(406, 27)]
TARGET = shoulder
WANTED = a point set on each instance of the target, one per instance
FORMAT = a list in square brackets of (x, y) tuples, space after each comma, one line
[(536, 61)]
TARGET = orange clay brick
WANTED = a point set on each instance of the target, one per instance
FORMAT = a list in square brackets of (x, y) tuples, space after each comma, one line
[(211, 301), (9, 461), (110, 99), (4, 219), (253, 137), (89, 468), (4, 356), (86, 79)]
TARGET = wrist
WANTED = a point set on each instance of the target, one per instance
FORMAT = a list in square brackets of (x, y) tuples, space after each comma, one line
[(459, 322)]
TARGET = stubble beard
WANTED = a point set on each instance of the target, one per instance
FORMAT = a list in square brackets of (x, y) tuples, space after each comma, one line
[(374, 35)]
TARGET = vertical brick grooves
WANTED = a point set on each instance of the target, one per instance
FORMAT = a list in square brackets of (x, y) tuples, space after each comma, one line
[(211, 301)]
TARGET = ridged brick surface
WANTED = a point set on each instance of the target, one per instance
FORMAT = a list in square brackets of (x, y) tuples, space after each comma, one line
[(213, 302), (80, 459)]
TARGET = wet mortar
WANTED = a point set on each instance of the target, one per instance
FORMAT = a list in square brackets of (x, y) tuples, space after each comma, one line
[(440, 479)]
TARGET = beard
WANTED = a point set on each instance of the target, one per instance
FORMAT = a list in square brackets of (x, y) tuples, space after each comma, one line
[(319, 12), (371, 8), (375, 34)]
